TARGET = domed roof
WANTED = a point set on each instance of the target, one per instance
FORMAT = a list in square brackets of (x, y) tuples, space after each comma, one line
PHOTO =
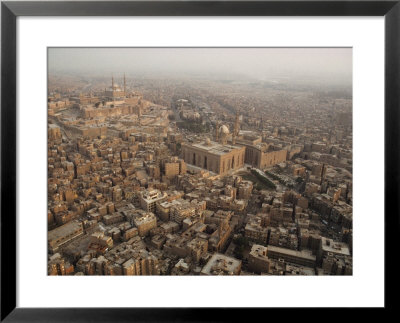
[(224, 129)]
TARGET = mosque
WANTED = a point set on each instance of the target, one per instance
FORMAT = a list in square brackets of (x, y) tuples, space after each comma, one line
[(216, 156), (115, 92), (230, 151)]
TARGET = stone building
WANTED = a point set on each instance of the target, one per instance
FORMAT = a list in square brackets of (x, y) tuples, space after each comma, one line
[(64, 234), (259, 154), (216, 157), (174, 166), (258, 260), (222, 265), (219, 237), (143, 264), (59, 266), (145, 223), (54, 132), (263, 155), (149, 198), (303, 258), (115, 91), (182, 210)]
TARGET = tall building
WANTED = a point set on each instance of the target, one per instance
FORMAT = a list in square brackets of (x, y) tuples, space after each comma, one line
[(258, 260), (145, 223), (173, 166), (149, 198)]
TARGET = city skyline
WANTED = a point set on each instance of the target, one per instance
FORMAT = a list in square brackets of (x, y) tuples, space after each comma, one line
[(328, 65)]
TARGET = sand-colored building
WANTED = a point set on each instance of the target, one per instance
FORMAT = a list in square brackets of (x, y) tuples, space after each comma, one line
[(145, 223), (259, 154), (222, 265), (258, 259), (149, 198), (215, 157), (63, 234), (263, 155)]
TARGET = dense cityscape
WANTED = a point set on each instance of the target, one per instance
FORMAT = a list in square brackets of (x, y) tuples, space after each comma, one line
[(198, 175)]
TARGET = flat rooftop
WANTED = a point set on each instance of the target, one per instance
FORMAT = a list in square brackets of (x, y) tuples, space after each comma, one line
[(328, 245), (215, 148), (221, 262), (153, 195), (259, 251), (64, 230), (305, 254), (149, 217)]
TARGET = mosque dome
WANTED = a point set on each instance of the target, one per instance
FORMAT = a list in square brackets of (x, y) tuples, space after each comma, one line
[(224, 129)]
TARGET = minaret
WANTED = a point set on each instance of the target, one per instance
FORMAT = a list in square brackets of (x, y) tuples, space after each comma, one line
[(236, 128), (216, 131)]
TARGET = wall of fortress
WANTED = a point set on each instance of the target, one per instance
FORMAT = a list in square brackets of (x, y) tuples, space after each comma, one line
[(132, 106), (108, 111), (92, 132)]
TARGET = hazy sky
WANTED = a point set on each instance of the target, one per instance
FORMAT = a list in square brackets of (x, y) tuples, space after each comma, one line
[(260, 63)]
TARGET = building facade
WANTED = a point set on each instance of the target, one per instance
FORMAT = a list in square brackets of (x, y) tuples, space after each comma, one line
[(149, 198), (213, 156), (262, 156)]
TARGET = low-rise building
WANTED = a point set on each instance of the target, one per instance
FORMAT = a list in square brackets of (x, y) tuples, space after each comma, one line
[(63, 234), (304, 258), (145, 223), (222, 265), (258, 259)]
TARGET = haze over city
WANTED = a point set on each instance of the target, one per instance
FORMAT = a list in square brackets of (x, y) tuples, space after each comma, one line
[(327, 65)]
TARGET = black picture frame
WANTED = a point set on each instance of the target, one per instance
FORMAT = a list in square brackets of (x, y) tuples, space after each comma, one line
[(10, 10)]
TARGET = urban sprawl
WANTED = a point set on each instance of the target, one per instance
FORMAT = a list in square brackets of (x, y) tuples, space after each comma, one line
[(198, 177)]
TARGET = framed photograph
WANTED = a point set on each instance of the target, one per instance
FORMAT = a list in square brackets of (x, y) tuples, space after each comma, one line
[(191, 160)]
